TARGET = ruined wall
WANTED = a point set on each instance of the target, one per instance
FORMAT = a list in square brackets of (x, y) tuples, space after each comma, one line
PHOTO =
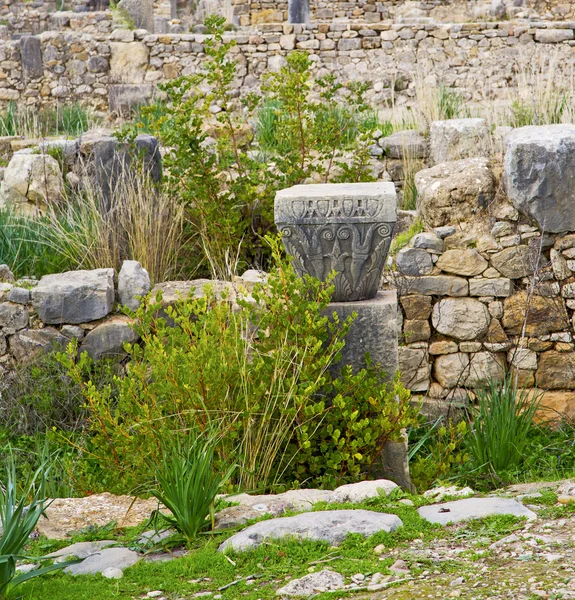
[(80, 67)]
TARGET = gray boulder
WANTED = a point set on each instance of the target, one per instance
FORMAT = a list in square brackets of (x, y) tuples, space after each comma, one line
[(331, 526), (358, 492), (108, 339), (13, 316), (312, 584), (473, 508), (80, 550), (539, 175), (118, 558), (133, 281), (74, 297), (456, 139)]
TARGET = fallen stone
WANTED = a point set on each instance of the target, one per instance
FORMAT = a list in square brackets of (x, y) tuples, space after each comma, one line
[(312, 584), (358, 492), (473, 508), (331, 526), (81, 549), (115, 558), (429, 241), (405, 144), (74, 297)]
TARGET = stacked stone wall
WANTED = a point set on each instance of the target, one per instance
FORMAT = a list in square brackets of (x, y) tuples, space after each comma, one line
[(88, 67)]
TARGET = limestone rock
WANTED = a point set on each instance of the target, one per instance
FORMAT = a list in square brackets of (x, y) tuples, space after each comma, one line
[(416, 330), (414, 368), (129, 62), (429, 241), (6, 275), (454, 191), (296, 499), (545, 315), (358, 492), (405, 144), (459, 370), (559, 264), (141, 12), (74, 297), (133, 281), (107, 339), (117, 558), (414, 262), (461, 318), (331, 526), (443, 347), (556, 371), (544, 193), (515, 262), (234, 516), (32, 181), (473, 508), (81, 549), (67, 515), (450, 370), (462, 262), (312, 584), (522, 358), (457, 139)]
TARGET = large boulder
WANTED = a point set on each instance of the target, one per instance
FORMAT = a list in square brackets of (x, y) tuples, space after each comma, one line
[(454, 191), (331, 526), (74, 297), (539, 175), (31, 182), (473, 508), (455, 139)]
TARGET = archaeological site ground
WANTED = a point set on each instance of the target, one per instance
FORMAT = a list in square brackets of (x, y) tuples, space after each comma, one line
[(287, 299)]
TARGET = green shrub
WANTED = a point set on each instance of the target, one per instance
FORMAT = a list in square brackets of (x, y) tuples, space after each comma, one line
[(500, 425), (347, 431), (246, 373)]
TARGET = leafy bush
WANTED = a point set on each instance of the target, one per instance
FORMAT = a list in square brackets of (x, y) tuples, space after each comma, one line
[(246, 373), (348, 430), (226, 180), (251, 371), (188, 485), (500, 425), (19, 515), (438, 452)]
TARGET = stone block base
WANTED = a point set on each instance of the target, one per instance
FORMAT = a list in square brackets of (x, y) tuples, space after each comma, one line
[(374, 331)]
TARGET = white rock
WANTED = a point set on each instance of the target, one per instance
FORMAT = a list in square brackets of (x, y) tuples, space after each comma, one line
[(358, 492), (473, 508), (312, 584)]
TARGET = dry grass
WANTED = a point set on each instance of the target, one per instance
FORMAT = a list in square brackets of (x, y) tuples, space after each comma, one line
[(140, 223)]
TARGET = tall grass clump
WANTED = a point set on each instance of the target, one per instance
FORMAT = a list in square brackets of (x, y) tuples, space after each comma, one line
[(33, 247), (544, 93), (70, 120), (500, 425), (436, 102)]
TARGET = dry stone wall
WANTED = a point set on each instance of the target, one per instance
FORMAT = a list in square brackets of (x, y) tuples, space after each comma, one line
[(89, 67)]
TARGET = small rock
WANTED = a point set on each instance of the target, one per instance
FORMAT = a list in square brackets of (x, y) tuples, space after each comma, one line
[(112, 573), (311, 584), (458, 581), (154, 594)]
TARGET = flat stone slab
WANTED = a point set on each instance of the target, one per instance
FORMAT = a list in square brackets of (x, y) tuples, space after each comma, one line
[(473, 508), (117, 558), (330, 525), (81, 549)]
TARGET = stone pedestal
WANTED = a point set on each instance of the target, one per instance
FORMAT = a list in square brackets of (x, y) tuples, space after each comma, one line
[(374, 331)]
